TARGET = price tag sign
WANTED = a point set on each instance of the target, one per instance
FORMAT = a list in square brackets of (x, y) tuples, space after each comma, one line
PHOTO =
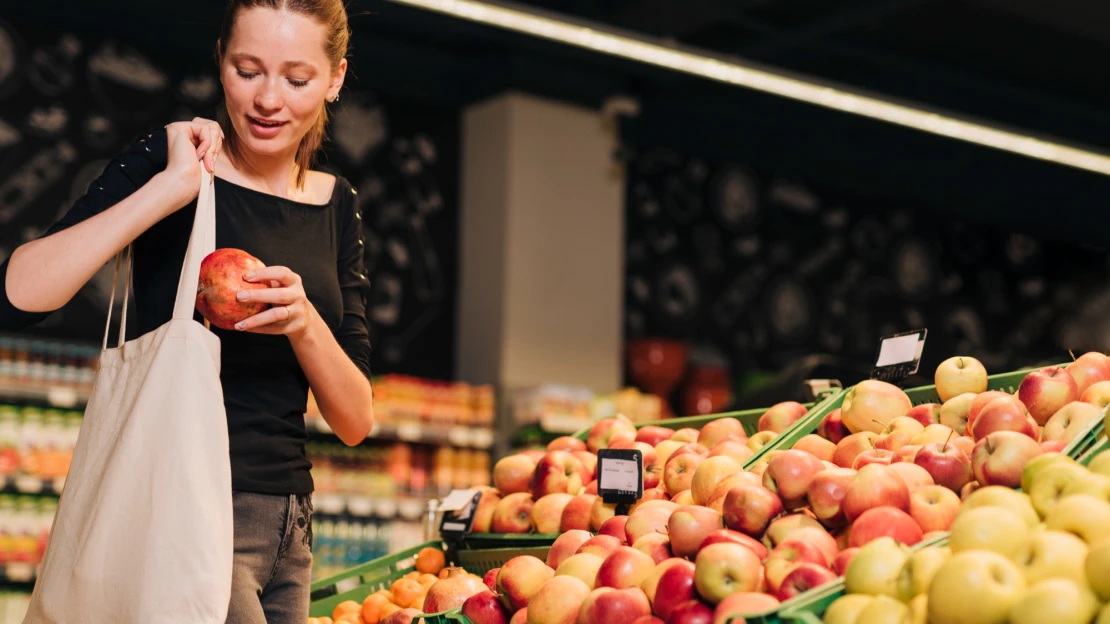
[(620, 475), (459, 508), (899, 356)]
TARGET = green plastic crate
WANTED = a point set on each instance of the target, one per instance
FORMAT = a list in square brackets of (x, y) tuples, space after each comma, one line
[(486, 541)]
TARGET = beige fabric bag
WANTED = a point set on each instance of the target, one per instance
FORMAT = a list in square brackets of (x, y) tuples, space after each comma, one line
[(144, 529)]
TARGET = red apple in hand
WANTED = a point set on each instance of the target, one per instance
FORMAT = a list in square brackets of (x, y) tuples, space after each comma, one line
[(874, 486), (789, 474), (1089, 368), (221, 279), (826, 493), (832, 427), (926, 414), (1045, 391), (803, 578), (946, 463), (780, 416), (653, 434), (999, 458), (750, 509)]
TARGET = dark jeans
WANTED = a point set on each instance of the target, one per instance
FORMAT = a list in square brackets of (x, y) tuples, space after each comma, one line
[(273, 559)]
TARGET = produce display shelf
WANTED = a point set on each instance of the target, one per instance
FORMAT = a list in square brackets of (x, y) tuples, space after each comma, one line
[(62, 397), (419, 433), (749, 418), (18, 572), (1090, 442), (485, 541), (31, 485)]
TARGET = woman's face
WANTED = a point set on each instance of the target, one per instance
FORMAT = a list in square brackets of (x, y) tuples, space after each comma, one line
[(276, 76)]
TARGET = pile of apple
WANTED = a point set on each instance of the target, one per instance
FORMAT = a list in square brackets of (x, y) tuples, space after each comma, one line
[(1036, 557)]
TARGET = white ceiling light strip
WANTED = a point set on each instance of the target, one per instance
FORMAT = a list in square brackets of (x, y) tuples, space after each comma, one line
[(734, 71)]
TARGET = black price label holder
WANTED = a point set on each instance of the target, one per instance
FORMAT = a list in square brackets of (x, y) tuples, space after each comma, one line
[(899, 356), (459, 508), (620, 477)]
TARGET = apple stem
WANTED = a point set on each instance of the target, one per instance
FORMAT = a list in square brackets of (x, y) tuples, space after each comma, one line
[(885, 427), (944, 449), (990, 447), (1072, 354)]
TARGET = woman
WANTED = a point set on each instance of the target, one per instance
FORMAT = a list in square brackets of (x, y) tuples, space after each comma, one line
[(281, 62)]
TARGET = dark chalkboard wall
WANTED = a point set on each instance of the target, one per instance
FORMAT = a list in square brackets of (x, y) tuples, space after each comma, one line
[(765, 269), (69, 101)]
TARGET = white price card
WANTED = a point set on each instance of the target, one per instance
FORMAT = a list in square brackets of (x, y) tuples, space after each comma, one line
[(619, 474)]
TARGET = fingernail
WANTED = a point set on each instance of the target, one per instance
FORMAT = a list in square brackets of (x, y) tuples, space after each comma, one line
[(249, 275), (240, 325), (242, 296)]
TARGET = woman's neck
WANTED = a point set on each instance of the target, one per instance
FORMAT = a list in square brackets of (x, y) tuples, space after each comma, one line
[(276, 175)]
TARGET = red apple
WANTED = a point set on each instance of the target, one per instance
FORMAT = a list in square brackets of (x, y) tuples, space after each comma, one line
[(591, 488), (873, 456), (671, 584), (850, 447), (750, 509), (483, 515), (608, 430), (691, 612), (1088, 369), (1045, 391), (832, 427), (803, 578), (558, 601), (780, 416), (688, 527), (600, 545), (513, 514), (964, 443), (490, 579), (1003, 415), (999, 458), (513, 473), (519, 579), (782, 527), (221, 279), (648, 619), (871, 404), (678, 475), (742, 604), (840, 564), (826, 494), (533, 454), (600, 512), (738, 450), (484, 608), (646, 521), (547, 513), (905, 454), (817, 446), (589, 462), (709, 473), (789, 474), (1053, 446), (606, 605), (624, 567), (615, 526), (558, 472), (884, 522), (722, 569), (914, 476), (651, 494), (653, 434), (898, 433), (934, 433), (960, 375), (946, 463), (819, 537), (686, 434), (955, 411), (735, 537), (787, 556), (566, 443), (576, 515), (874, 486), (565, 546), (980, 401), (717, 498), (926, 413), (689, 447), (655, 545), (934, 507), (716, 430)]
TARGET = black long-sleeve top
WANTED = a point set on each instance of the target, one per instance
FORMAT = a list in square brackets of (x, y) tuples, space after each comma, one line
[(265, 389)]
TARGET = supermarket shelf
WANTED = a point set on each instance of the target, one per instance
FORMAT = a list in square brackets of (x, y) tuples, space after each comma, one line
[(63, 397), (403, 507), (32, 485), (458, 436), (18, 572)]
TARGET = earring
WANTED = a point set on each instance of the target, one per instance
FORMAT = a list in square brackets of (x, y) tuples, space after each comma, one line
[(334, 98)]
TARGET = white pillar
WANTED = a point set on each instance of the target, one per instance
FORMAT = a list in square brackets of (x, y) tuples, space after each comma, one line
[(541, 254)]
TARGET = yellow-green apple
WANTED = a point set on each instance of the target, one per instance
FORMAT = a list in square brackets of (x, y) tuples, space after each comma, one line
[(1039, 463), (850, 447), (691, 612), (716, 430), (847, 608), (1047, 487), (615, 526), (781, 415), (1053, 554), (710, 472), (566, 443), (926, 413), (1088, 369), (600, 545), (653, 494), (884, 522), (1070, 421), (583, 566), (484, 608), (679, 472), (735, 537), (913, 475), (788, 475), (589, 463), (547, 513), (686, 434), (934, 433), (960, 375), (519, 579), (905, 454), (1100, 464), (919, 571), (490, 579), (999, 458), (487, 504), (946, 463), (843, 558), (989, 528), (671, 583), (1045, 391), (646, 521), (1097, 394), (802, 578), (817, 446), (1083, 515), (884, 609), (876, 568), (832, 427), (782, 527), (513, 514), (1103, 615), (513, 473), (874, 486), (760, 440), (873, 456), (975, 586), (576, 515), (982, 399), (1060, 601), (688, 527), (606, 605), (655, 545), (898, 432), (724, 569), (558, 601), (653, 434), (934, 507), (1096, 568), (787, 556), (608, 430), (600, 512), (743, 604), (871, 404), (964, 443), (750, 508), (732, 447), (1004, 415), (717, 498), (825, 494), (1092, 484), (624, 567), (558, 471), (685, 497), (954, 412), (664, 449)]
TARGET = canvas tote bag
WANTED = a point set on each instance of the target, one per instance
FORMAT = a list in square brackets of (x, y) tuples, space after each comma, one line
[(144, 528)]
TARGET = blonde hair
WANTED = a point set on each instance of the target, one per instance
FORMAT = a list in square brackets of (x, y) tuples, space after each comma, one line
[(333, 16)]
